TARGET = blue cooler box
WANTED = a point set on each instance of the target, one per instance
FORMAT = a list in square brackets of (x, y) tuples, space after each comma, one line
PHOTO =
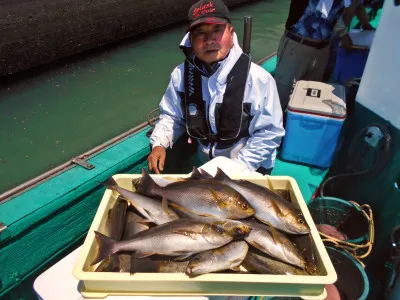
[(351, 64), (315, 116)]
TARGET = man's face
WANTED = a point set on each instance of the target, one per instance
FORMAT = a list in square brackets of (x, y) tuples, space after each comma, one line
[(212, 42)]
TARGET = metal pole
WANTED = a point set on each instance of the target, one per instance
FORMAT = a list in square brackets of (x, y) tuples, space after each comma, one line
[(247, 34)]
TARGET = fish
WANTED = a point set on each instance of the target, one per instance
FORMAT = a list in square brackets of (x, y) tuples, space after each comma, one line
[(115, 263), (161, 181), (224, 258), (307, 247), (176, 238), (172, 266), (331, 231), (116, 219), (270, 208), (134, 224), (202, 197), (154, 211), (264, 265), (273, 243)]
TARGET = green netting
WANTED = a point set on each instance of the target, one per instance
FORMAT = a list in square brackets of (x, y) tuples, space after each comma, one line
[(342, 215)]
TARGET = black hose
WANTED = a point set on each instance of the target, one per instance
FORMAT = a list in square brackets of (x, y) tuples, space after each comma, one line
[(382, 152)]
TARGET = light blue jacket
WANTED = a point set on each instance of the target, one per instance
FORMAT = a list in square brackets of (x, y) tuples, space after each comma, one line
[(265, 129)]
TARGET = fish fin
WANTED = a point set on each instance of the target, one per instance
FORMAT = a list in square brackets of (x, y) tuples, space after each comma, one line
[(257, 245), (221, 175), (217, 198), (236, 269), (178, 207), (269, 183), (196, 174), (106, 247), (136, 183), (274, 233), (144, 221), (277, 209), (148, 186), (141, 210), (205, 174), (139, 254), (110, 183), (182, 257), (164, 204), (236, 261)]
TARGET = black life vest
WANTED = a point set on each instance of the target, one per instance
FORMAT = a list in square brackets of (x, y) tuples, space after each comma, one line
[(232, 116)]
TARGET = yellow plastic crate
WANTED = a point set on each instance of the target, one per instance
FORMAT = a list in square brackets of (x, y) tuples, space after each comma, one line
[(101, 284)]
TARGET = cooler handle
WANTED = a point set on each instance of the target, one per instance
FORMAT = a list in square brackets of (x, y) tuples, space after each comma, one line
[(311, 125)]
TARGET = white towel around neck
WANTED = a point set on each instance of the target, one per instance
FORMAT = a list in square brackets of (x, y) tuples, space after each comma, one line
[(325, 6)]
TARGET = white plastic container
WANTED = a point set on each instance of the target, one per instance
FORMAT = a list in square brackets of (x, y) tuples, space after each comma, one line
[(315, 116), (102, 284)]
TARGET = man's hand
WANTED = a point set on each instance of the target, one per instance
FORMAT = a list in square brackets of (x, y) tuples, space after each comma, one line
[(367, 26), (156, 159), (347, 43)]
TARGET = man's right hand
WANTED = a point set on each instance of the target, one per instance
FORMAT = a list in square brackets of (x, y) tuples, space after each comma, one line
[(346, 42), (156, 159)]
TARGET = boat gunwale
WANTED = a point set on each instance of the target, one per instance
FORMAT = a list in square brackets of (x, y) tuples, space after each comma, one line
[(31, 183)]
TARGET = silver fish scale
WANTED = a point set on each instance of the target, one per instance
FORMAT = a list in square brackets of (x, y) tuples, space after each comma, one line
[(199, 198), (175, 238), (278, 246), (224, 258)]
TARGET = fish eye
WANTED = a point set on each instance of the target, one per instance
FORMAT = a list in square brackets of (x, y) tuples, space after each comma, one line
[(218, 229), (300, 220), (244, 205)]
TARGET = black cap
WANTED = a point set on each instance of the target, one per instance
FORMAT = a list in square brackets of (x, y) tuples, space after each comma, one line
[(208, 12)]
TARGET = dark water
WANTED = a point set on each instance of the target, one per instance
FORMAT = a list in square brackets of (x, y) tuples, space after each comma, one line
[(51, 114)]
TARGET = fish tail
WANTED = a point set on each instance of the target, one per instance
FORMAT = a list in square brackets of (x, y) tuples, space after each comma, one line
[(148, 187), (106, 247), (110, 183)]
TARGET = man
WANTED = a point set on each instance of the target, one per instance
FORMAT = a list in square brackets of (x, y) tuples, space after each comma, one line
[(355, 9), (304, 47), (219, 97)]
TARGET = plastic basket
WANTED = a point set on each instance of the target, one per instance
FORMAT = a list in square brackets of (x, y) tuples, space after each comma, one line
[(352, 280), (346, 217), (102, 284)]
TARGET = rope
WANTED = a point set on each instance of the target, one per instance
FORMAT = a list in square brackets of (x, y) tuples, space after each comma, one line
[(351, 248)]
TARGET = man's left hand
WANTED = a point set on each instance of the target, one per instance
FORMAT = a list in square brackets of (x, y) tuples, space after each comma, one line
[(367, 27), (346, 42)]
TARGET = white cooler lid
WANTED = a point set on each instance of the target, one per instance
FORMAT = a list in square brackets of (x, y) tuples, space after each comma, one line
[(318, 98)]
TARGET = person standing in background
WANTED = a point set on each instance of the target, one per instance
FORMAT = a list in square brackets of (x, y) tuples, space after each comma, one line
[(357, 9), (303, 51)]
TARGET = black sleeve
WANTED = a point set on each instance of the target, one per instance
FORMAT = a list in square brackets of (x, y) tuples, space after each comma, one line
[(297, 8)]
